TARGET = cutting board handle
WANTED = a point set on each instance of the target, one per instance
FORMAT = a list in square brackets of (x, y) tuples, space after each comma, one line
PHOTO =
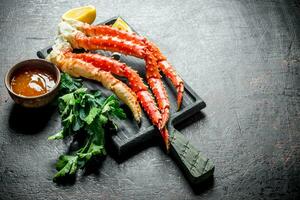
[(196, 167)]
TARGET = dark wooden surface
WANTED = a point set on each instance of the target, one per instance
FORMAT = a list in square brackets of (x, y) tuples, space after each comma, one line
[(242, 57)]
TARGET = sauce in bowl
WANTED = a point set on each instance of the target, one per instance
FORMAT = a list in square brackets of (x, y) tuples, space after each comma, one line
[(32, 81)]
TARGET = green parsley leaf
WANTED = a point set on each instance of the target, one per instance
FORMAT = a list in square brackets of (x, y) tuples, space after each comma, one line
[(66, 166), (92, 114), (83, 111), (57, 136)]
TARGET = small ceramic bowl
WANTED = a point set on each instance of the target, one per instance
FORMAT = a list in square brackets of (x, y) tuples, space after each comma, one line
[(33, 101)]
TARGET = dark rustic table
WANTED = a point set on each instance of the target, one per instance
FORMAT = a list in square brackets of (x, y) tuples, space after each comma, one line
[(241, 56)]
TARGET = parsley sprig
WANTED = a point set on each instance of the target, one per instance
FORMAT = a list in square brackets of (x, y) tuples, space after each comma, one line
[(86, 112)]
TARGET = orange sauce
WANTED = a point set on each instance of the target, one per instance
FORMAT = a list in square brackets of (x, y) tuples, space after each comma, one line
[(32, 81)]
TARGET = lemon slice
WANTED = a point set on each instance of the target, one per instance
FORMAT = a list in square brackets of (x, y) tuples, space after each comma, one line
[(85, 14), (121, 25)]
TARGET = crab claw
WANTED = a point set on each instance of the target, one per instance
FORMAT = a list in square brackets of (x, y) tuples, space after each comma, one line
[(165, 134)]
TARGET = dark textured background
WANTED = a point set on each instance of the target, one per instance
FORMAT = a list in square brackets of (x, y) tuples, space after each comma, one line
[(241, 56)]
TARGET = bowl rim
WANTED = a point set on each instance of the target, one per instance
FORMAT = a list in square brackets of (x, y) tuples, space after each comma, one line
[(44, 62)]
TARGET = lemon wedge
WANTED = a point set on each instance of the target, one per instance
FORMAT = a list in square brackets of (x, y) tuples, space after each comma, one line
[(85, 14), (121, 25)]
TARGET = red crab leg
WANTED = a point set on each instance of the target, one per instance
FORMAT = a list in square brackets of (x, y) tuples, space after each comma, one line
[(158, 89), (163, 64), (168, 70), (99, 30), (165, 135), (77, 68), (129, 48), (135, 82), (108, 43)]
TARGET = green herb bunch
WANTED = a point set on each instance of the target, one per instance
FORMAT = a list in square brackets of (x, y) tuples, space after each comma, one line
[(86, 112)]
